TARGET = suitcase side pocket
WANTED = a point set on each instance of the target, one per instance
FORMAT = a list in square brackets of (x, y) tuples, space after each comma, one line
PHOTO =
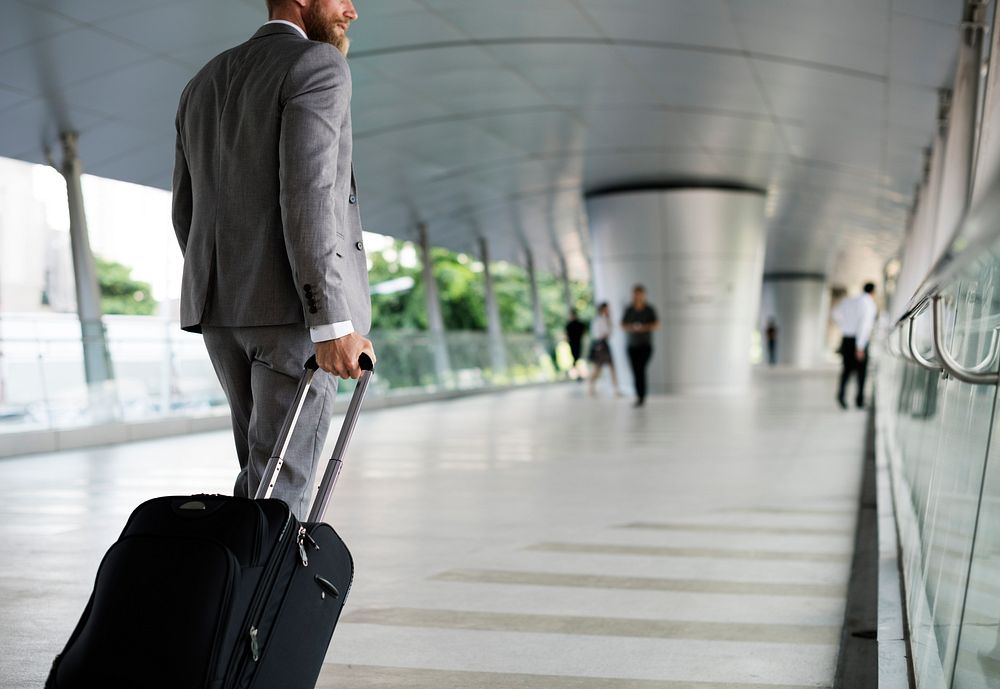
[(157, 616)]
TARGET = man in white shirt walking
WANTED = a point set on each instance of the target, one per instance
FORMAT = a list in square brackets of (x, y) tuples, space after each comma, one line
[(856, 319)]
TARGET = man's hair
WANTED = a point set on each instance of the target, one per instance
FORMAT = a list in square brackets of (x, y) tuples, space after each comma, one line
[(637, 287), (869, 287)]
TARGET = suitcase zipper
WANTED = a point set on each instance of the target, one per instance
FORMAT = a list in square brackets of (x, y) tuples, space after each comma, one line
[(267, 581), (254, 646), (301, 540)]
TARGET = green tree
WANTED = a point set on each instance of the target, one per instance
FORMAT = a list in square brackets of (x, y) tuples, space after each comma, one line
[(120, 292), (513, 297), (461, 291), (404, 309), (554, 310), (462, 294)]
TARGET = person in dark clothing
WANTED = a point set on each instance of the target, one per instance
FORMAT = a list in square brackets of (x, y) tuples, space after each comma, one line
[(771, 334), (575, 329), (639, 322)]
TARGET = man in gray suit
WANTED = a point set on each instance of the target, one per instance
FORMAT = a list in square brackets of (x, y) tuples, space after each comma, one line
[(266, 213)]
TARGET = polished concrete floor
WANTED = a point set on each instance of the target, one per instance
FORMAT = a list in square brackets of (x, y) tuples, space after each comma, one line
[(537, 539)]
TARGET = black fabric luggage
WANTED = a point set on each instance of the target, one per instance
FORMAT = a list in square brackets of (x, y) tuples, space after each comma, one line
[(216, 592)]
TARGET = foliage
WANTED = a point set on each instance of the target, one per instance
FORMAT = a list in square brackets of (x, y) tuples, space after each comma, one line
[(462, 294), (400, 310), (120, 293), (460, 290)]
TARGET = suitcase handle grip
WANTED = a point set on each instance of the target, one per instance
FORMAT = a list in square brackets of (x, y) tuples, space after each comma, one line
[(364, 361)]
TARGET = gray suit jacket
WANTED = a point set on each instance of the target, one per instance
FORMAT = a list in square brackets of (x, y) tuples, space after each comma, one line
[(265, 206)]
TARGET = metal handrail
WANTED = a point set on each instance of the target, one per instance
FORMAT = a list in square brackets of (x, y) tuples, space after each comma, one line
[(903, 347), (890, 337), (899, 342), (915, 354), (948, 362), (990, 360)]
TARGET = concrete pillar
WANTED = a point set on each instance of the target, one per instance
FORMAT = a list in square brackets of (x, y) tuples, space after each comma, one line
[(435, 321), (699, 251), (538, 321), (567, 289), (498, 353), (799, 303), (96, 357)]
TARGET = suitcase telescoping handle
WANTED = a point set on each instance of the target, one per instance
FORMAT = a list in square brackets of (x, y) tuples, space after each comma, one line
[(332, 471)]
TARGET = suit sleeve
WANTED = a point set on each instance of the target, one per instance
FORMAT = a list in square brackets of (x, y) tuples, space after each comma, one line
[(182, 204), (316, 98)]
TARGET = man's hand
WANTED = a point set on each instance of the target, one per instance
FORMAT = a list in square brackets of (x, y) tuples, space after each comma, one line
[(860, 354), (340, 356)]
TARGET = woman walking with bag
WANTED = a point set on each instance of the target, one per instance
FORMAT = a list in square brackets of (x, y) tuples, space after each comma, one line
[(600, 350)]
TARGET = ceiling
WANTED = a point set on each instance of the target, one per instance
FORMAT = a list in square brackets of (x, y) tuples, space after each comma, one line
[(495, 118)]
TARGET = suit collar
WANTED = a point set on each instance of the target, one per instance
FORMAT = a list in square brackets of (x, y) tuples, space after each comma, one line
[(272, 28)]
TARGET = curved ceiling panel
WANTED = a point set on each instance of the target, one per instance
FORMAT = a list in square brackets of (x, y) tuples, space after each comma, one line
[(494, 119)]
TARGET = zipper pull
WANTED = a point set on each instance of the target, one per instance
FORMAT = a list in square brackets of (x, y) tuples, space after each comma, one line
[(311, 540), (254, 646), (302, 546)]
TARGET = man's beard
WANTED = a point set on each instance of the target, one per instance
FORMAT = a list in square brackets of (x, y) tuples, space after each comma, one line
[(323, 28)]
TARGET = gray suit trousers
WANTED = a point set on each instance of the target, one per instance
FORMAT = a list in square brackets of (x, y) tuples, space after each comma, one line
[(259, 369)]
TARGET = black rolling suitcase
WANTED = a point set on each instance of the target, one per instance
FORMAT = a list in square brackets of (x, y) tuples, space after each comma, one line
[(214, 592)]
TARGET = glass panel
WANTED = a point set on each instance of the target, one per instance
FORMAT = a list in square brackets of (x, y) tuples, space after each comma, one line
[(939, 438), (978, 658), (162, 371)]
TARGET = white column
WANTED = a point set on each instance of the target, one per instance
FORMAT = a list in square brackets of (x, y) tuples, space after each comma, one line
[(96, 357), (799, 303), (567, 288), (536, 301), (700, 253), (435, 321), (498, 353)]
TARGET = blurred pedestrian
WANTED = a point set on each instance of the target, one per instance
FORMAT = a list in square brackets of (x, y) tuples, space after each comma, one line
[(771, 334), (575, 329), (600, 348), (639, 322), (856, 318)]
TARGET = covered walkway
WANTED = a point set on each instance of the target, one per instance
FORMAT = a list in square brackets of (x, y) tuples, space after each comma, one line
[(532, 539), (537, 538)]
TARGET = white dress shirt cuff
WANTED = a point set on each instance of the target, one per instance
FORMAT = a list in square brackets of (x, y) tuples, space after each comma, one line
[(322, 333)]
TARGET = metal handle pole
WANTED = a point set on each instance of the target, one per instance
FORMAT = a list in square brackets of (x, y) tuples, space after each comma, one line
[(277, 460), (326, 486), (948, 362), (915, 354), (991, 356)]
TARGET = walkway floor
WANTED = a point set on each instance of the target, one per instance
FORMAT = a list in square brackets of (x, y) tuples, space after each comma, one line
[(536, 539)]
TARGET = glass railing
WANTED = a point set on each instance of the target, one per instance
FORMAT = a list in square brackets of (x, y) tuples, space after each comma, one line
[(161, 372), (940, 437)]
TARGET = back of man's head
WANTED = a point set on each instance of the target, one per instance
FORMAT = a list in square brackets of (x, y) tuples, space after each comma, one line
[(869, 287)]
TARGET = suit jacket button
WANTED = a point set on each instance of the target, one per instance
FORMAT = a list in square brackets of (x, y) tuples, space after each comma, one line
[(353, 198), (307, 288), (313, 309), (359, 246)]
